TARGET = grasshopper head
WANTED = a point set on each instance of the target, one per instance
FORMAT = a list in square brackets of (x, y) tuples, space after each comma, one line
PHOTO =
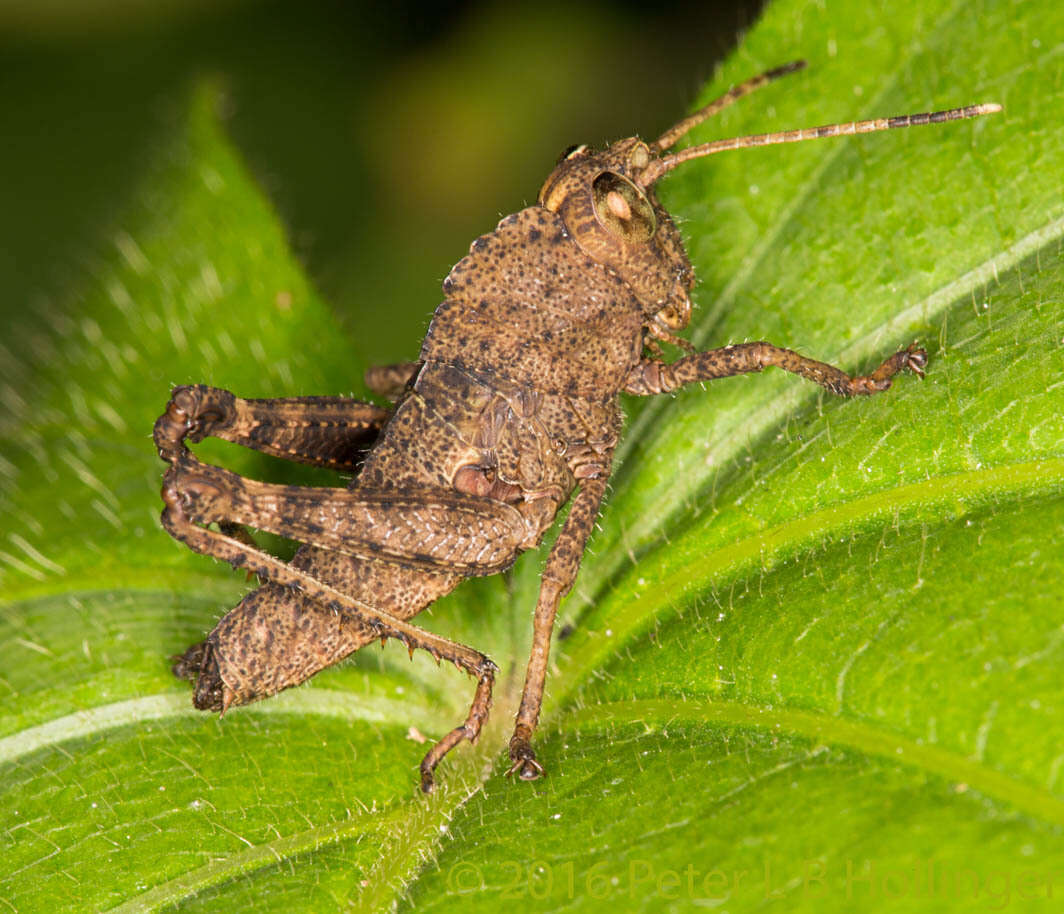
[(620, 223)]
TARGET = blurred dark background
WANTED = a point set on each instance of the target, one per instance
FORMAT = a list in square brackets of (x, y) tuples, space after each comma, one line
[(387, 136)]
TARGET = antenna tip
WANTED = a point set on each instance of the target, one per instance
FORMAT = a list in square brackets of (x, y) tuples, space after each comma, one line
[(786, 68), (990, 108)]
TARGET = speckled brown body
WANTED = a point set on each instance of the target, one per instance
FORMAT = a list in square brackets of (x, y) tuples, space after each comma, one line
[(511, 408)]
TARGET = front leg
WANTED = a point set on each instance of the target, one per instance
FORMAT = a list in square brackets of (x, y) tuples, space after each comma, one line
[(331, 432), (558, 577), (651, 376)]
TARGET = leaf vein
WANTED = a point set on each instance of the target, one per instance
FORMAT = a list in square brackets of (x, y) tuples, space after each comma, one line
[(857, 735)]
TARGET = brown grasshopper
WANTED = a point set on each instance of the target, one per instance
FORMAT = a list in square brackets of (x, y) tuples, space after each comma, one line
[(510, 409)]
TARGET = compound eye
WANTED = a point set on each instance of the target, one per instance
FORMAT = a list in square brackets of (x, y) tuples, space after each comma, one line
[(572, 152), (639, 157), (622, 209)]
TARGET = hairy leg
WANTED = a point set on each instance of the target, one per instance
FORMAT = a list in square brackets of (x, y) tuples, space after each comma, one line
[(651, 376)]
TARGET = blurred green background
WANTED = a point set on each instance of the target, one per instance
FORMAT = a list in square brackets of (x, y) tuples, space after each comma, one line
[(388, 136)]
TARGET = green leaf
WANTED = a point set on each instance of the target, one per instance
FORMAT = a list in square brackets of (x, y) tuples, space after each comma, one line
[(816, 662)]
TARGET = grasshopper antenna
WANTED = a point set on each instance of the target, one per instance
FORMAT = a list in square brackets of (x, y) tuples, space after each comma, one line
[(660, 166), (670, 136)]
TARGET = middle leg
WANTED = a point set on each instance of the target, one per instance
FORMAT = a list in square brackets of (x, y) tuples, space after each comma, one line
[(558, 577)]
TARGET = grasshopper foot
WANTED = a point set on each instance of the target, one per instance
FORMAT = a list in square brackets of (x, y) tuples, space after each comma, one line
[(192, 413), (428, 779), (915, 361), (912, 359), (524, 761)]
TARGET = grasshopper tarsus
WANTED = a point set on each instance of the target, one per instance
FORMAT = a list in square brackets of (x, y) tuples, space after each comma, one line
[(510, 408), (523, 760), (468, 730)]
